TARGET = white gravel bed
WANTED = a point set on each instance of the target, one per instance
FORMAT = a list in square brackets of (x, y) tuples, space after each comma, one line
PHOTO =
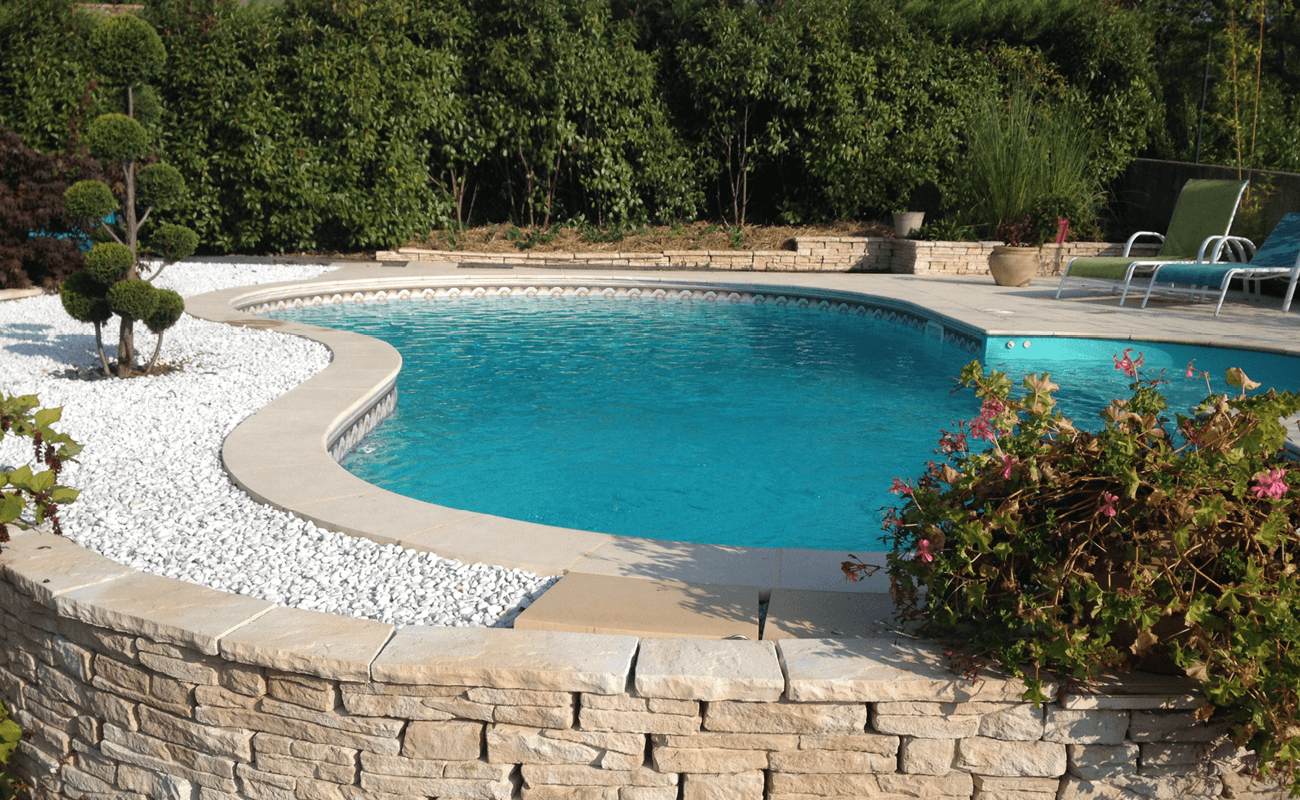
[(155, 496)]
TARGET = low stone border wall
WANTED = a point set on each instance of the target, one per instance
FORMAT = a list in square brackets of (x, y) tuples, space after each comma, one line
[(135, 686), (822, 254)]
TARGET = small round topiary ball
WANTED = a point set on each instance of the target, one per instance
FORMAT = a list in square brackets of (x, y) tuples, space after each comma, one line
[(126, 49), (89, 200), (159, 185), (116, 137), (173, 242), (109, 262), (133, 298), (169, 308), (83, 298)]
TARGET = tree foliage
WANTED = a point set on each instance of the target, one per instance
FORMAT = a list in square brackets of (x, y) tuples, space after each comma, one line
[(346, 124)]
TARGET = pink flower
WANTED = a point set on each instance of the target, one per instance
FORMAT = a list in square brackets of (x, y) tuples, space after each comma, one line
[(923, 551), (991, 408), (1190, 370), (1007, 463), (1127, 365), (980, 429), (1108, 503), (1270, 484), (900, 488), (952, 443)]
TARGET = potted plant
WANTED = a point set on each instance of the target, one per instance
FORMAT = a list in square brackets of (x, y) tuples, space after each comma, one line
[(1025, 164), (1055, 550), (907, 222)]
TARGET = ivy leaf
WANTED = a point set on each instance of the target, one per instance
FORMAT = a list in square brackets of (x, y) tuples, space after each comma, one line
[(1269, 533), (1211, 510)]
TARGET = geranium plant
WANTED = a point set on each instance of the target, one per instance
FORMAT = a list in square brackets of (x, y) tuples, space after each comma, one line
[(1051, 549), (30, 496)]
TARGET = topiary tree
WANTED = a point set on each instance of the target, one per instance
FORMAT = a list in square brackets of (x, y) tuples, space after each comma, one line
[(126, 50)]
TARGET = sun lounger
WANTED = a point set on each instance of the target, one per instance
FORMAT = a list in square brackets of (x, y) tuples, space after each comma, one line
[(1278, 257), (1205, 210)]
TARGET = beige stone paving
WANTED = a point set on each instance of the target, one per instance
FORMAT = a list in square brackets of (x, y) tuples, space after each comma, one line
[(294, 472)]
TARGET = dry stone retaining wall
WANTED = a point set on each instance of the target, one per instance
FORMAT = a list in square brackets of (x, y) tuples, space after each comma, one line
[(820, 254), (134, 686)]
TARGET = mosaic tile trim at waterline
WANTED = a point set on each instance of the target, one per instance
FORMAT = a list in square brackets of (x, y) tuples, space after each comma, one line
[(359, 427), (961, 339)]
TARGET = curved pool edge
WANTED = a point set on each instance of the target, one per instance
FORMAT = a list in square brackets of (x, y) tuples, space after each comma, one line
[(281, 454)]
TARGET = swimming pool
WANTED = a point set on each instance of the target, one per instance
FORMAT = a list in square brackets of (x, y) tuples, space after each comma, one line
[(748, 424)]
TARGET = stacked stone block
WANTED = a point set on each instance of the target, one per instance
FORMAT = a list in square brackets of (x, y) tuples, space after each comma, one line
[(810, 254), (138, 708)]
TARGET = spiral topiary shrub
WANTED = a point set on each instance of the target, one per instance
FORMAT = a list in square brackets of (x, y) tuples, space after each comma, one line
[(127, 50), (1052, 549)]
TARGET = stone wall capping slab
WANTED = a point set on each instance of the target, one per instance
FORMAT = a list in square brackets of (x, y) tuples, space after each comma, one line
[(192, 616), (310, 642), (501, 658), (1136, 690), (43, 565), (882, 669), (593, 603), (702, 669)]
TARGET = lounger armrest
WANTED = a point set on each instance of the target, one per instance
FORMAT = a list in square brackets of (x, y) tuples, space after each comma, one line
[(1239, 248), (1132, 239)]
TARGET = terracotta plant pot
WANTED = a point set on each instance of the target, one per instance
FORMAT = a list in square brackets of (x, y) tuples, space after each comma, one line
[(907, 221), (1013, 266)]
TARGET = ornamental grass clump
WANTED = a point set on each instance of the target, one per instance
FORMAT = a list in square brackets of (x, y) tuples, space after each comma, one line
[(1051, 549)]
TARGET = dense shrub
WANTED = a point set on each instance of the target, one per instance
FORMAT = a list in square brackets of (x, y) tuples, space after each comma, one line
[(45, 80), (1050, 548), (38, 244), (347, 124)]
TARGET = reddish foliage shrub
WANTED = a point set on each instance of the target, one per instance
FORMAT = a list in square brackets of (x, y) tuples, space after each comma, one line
[(31, 201)]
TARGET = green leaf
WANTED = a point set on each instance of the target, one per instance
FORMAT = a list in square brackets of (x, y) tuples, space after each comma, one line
[(46, 416), (63, 494), (1269, 534), (10, 508)]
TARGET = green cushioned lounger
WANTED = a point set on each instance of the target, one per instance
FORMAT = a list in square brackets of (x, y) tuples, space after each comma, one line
[(1205, 209)]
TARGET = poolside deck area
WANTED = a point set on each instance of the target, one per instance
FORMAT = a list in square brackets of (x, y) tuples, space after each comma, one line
[(286, 454)]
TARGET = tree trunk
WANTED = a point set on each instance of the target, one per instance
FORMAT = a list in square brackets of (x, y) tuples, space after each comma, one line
[(126, 348), (99, 346), (157, 348)]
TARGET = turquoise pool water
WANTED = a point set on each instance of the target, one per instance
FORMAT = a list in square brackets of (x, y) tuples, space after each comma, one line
[(756, 425)]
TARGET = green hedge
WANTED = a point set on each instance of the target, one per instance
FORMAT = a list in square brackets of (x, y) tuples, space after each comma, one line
[(351, 125)]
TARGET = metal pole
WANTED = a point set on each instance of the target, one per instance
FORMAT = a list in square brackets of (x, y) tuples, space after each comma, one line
[(1200, 124)]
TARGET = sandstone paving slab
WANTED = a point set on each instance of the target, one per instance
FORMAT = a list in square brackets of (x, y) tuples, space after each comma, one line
[(808, 614), (883, 669), (820, 570), (507, 659), (312, 642), (699, 669), (380, 515), (43, 565), (682, 561), (162, 609), (591, 603), (540, 549)]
